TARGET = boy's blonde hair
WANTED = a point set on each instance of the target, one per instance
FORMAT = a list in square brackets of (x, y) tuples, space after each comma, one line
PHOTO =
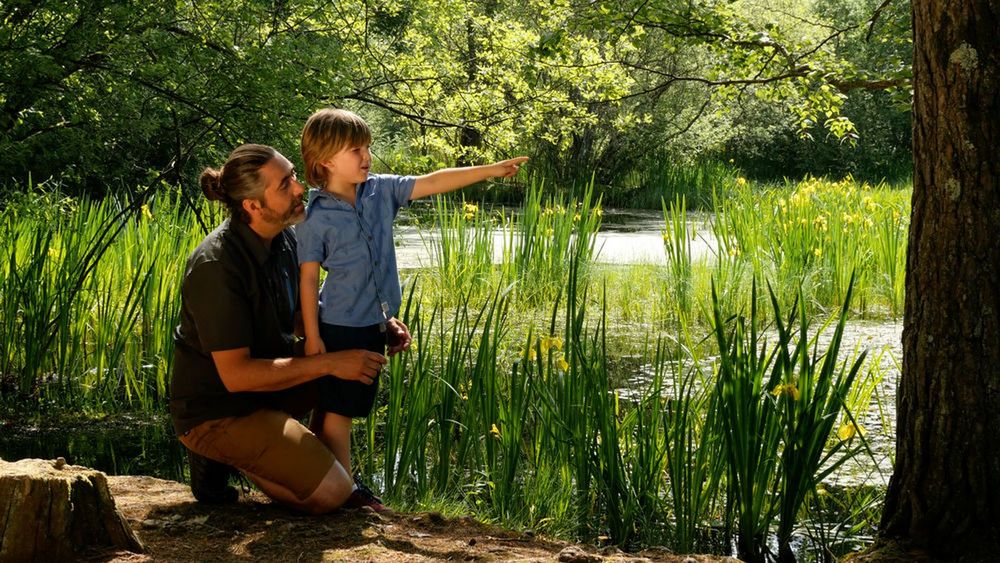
[(327, 132)]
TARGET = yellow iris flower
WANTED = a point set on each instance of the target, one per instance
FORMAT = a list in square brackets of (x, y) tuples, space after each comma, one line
[(787, 389)]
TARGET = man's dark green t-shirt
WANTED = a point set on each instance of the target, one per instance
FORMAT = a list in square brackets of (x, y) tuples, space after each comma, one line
[(236, 293)]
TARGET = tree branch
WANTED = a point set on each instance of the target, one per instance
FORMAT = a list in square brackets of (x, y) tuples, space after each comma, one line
[(875, 16)]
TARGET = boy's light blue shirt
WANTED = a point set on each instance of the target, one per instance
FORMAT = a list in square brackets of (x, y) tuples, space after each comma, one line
[(354, 245)]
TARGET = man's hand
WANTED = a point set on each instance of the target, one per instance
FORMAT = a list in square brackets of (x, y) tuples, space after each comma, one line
[(356, 365), (398, 336)]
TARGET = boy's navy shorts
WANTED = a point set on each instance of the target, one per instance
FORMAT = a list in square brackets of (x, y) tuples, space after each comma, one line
[(349, 398)]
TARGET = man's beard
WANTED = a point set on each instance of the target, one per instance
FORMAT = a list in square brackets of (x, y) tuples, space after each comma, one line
[(286, 219)]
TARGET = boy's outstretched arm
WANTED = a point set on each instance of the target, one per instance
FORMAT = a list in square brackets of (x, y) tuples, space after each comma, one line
[(450, 179), (309, 297)]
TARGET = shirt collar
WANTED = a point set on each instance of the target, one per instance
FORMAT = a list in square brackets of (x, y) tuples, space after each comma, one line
[(317, 193), (251, 241)]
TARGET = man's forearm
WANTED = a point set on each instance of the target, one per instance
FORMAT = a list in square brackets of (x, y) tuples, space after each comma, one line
[(239, 372), (277, 374)]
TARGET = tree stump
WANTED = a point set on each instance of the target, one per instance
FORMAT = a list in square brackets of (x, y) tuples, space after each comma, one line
[(55, 512)]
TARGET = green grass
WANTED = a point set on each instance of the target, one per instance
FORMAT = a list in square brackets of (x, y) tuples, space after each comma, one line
[(89, 303), (814, 234), (623, 404)]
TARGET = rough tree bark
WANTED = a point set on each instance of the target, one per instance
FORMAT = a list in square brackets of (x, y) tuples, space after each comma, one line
[(944, 496), (50, 511)]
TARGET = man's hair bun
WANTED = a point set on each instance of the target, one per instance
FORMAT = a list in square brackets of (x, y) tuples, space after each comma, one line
[(211, 184)]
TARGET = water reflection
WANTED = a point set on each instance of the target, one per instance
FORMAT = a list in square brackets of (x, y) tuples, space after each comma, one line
[(122, 445)]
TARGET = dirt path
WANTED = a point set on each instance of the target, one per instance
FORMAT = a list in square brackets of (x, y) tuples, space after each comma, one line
[(176, 528)]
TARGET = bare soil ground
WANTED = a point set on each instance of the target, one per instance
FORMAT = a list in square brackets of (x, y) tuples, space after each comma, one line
[(174, 527)]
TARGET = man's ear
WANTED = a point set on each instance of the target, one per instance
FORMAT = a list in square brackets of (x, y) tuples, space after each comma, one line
[(251, 206)]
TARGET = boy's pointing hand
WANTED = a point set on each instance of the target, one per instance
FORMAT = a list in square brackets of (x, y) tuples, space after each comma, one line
[(510, 167)]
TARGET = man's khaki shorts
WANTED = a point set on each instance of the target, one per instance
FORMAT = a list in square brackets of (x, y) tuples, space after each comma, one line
[(268, 444)]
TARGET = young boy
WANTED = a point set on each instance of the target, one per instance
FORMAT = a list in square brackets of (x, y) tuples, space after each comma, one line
[(348, 232)]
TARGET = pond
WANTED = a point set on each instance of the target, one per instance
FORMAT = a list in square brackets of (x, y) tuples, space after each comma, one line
[(627, 236), (127, 444)]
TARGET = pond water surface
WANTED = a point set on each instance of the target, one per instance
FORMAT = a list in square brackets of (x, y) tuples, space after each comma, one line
[(118, 445), (627, 236)]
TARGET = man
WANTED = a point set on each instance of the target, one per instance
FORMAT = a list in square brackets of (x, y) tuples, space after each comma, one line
[(237, 390)]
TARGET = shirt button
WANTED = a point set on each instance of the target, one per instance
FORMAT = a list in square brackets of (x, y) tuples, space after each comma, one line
[(376, 263), (369, 237)]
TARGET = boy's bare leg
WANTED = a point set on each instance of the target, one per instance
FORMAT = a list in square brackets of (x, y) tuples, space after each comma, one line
[(331, 493), (336, 435)]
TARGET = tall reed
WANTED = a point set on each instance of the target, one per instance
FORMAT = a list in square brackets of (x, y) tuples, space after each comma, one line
[(778, 406), (461, 247), (890, 257), (544, 240), (812, 235), (694, 447), (811, 397), (677, 243), (749, 423), (406, 418), (729, 268), (89, 301)]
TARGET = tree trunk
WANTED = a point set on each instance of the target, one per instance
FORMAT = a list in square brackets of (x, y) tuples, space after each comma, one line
[(50, 511), (468, 136), (944, 495)]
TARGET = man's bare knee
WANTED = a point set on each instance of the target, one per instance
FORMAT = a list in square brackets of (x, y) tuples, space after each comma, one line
[(331, 493)]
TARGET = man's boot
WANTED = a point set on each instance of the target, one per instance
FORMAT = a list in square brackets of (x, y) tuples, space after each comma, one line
[(210, 480)]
